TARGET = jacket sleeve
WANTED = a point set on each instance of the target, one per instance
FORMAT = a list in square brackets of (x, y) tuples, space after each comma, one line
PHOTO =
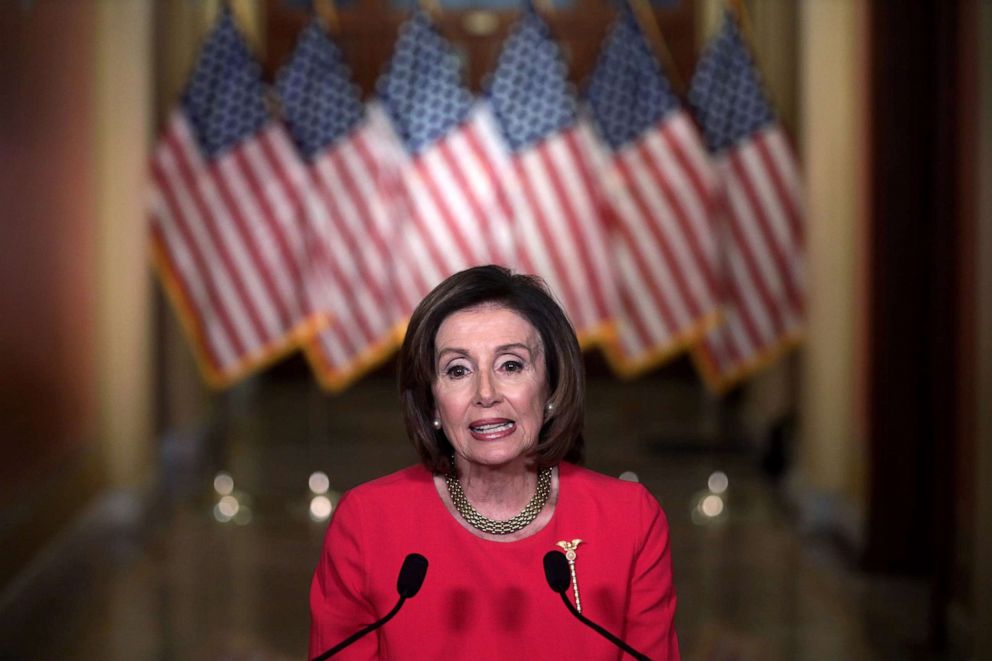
[(339, 605), (650, 625)]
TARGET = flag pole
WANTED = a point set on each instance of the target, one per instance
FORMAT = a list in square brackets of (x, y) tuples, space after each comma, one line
[(649, 24), (744, 19), (546, 7), (327, 12), (430, 7)]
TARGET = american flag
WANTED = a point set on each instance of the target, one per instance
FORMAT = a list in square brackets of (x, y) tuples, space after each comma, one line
[(225, 201), (349, 228), (762, 232), (451, 210), (661, 187), (550, 182)]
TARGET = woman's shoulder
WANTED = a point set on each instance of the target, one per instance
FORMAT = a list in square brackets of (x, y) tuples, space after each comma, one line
[(602, 487), (403, 483), (595, 479)]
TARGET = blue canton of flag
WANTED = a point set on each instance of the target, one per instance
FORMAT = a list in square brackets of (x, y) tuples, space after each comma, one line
[(422, 89), (529, 93), (660, 186), (225, 97), (627, 92), (726, 93), (320, 102)]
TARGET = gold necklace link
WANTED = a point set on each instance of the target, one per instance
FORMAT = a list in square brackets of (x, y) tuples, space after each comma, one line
[(494, 526)]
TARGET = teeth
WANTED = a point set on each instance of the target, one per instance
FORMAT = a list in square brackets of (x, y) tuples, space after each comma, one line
[(493, 427)]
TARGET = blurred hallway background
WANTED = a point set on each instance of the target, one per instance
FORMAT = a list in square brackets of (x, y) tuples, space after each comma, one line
[(835, 505)]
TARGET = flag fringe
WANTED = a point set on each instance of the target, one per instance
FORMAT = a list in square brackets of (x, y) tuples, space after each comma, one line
[(721, 383), (216, 378), (599, 336), (336, 381), (659, 354)]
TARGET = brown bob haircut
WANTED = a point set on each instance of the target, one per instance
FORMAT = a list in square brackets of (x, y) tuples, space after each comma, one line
[(527, 295)]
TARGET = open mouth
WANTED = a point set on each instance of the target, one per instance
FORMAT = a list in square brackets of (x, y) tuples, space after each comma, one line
[(491, 429)]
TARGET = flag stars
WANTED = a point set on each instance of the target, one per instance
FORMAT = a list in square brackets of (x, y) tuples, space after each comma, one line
[(321, 104), (422, 90), (225, 98), (726, 93), (529, 92), (627, 92)]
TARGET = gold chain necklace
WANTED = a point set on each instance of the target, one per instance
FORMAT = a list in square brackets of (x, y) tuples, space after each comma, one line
[(493, 526)]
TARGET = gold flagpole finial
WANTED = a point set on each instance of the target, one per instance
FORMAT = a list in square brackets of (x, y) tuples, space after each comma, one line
[(739, 10), (327, 12), (546, 7), (649, 24), (430, 7)]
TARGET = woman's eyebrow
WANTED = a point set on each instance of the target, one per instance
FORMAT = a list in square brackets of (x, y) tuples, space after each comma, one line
[(514, 346), (454, 350)]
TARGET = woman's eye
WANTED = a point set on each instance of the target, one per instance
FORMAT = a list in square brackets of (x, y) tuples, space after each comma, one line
[(456, 371), (513, 366)]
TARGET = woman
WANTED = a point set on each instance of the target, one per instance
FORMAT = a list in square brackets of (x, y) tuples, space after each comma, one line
[(492, 385)]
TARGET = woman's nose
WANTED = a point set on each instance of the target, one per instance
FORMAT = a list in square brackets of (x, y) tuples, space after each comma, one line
[(486, 393)]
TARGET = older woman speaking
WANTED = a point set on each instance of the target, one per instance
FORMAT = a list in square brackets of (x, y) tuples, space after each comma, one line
[(491, 382)]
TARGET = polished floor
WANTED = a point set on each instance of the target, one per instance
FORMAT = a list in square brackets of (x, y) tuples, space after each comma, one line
[(179, 576)]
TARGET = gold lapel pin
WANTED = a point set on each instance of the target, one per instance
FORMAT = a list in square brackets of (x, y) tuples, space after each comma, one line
[(569, 548)]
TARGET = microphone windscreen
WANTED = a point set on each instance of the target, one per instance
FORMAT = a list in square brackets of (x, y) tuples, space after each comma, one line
[(556, 571), (411, 575)]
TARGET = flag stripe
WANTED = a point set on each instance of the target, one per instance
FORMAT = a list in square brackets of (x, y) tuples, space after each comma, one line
[(766, 212), (582, 190), (668, 157), (267, 168), (642, 234), (641, 324), (225, 211), (480, 175), (238, 174), (182, 216), (766, 260), (190, 280), (491, 158), (231, 201), (360, 237), (336, 257), (650, 189), (751, 245), (361, 173), (555, 237), (441, 201), (247, 325), (640, 275), (781, 166)]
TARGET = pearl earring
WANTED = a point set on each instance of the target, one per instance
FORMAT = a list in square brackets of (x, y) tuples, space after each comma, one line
[(437, 423), (550, 407)]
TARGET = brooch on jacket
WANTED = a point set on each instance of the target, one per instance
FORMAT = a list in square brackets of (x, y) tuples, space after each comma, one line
[(569, 548)]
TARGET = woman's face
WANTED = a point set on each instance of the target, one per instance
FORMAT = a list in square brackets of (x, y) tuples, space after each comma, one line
[(491, 386)]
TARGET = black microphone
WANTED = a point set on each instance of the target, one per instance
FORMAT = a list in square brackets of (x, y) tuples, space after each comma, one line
[(559, 577), (407, 585)]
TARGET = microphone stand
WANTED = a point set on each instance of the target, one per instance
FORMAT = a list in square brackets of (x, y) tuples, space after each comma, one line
[(358, 634), (603, 632)]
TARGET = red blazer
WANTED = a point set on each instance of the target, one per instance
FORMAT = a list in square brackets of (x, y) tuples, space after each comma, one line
[(490, 600)]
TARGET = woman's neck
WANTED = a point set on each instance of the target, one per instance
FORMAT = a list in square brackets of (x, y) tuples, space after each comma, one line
[(526, 493), (497, 492)]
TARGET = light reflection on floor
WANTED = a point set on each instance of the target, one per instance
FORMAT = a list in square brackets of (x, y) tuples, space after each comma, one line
[(200, 577)]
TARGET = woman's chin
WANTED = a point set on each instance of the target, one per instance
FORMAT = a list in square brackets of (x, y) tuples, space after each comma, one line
[(496, 457)]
